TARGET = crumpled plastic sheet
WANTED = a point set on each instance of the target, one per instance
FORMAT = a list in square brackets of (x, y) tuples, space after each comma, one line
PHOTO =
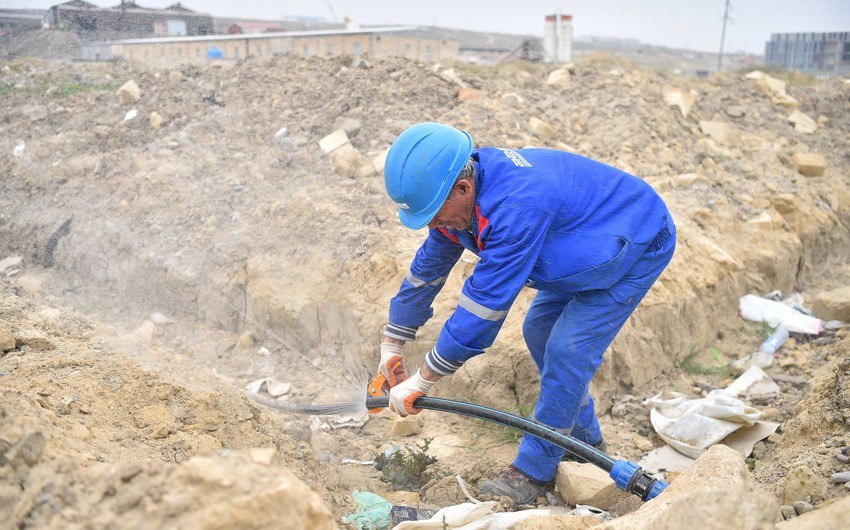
[(692, 425), (373, 511)]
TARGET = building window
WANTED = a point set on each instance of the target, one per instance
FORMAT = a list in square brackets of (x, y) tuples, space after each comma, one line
[(197, 52), (357, 49), (428, 53), (162, 52), (330, 49), (259, 51), (179, 53), (305, 51), (235, 53), (407, 49)]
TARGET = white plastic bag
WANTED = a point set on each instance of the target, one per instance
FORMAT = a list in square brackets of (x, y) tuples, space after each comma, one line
[(692, 425), (758, 309)]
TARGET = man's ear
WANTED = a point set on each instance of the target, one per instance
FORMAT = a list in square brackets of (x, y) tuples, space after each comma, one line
[(463, 187)]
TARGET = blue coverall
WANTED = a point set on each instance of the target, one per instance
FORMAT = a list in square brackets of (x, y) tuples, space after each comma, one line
[(590, 238)]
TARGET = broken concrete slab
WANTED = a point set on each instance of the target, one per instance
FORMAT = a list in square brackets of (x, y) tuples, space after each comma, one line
[(450, 76), (10, 263), (346, 160), (380, 161), (33, 338), (809, 164)]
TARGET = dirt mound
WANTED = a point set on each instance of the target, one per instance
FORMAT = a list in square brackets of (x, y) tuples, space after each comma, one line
[(206, 205), (88, 437)]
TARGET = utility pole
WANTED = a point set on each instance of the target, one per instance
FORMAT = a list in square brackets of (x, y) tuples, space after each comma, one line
[(723, 37)]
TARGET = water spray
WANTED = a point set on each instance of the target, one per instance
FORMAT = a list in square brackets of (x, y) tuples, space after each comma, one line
[(627, 475)]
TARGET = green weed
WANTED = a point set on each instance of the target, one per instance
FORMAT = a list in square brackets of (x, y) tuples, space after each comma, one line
[(407, 470), (690, 365)]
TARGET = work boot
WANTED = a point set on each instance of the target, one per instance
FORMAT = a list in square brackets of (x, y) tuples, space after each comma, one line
[(600, 445), (515, 484)]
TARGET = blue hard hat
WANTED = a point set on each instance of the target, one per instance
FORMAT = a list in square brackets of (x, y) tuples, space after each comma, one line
[(421, 168)]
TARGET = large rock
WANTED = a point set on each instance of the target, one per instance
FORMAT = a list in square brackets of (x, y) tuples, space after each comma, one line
[(809, 164), (559, 78), (130, 92), (717, 492), (467, 93), (833, 305), (802, 484), (587, 484)]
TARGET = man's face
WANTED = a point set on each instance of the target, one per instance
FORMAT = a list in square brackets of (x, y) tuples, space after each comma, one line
[(456, 212)]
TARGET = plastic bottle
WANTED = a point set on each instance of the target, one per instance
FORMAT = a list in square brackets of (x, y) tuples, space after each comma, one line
[(774, 341)]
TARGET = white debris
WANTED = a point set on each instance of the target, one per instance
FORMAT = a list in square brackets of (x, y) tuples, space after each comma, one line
[(18, 151), (130, 114)]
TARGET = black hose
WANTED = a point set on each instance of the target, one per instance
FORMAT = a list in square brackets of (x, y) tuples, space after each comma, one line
[(573, 446)]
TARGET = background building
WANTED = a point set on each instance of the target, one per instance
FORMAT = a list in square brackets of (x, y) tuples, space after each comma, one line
[(126, 20), (17, 20), (398, 41), (810, 52)]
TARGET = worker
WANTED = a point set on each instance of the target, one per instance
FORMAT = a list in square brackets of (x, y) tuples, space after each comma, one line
[(591, 239)]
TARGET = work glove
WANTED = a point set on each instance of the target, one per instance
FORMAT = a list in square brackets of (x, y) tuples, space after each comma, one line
[(392, 363), (404, 394)]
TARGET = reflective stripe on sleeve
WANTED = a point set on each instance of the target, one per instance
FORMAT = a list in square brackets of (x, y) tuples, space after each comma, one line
[(439, 365), (416, 282), (479, 310), (400, 332)]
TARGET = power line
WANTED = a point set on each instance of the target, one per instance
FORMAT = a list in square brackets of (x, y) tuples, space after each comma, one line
[(723, 35)]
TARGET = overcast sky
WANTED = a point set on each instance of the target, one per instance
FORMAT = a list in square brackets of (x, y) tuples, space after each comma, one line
[(691, 24)]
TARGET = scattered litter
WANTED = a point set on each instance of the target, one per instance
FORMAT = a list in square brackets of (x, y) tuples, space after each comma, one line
[(264, 351), (775, 341), (758, 309), (752, 384), (452, 516), (358, 462), (692, 425), (159, 319), (130, 114), (18, 151), (10, 263), (273, 387), (373, 511), (339, 421), (462, 484), (833, 325), (583, 509)]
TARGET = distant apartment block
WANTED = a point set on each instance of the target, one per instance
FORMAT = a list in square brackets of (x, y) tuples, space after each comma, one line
[(810, 52)]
